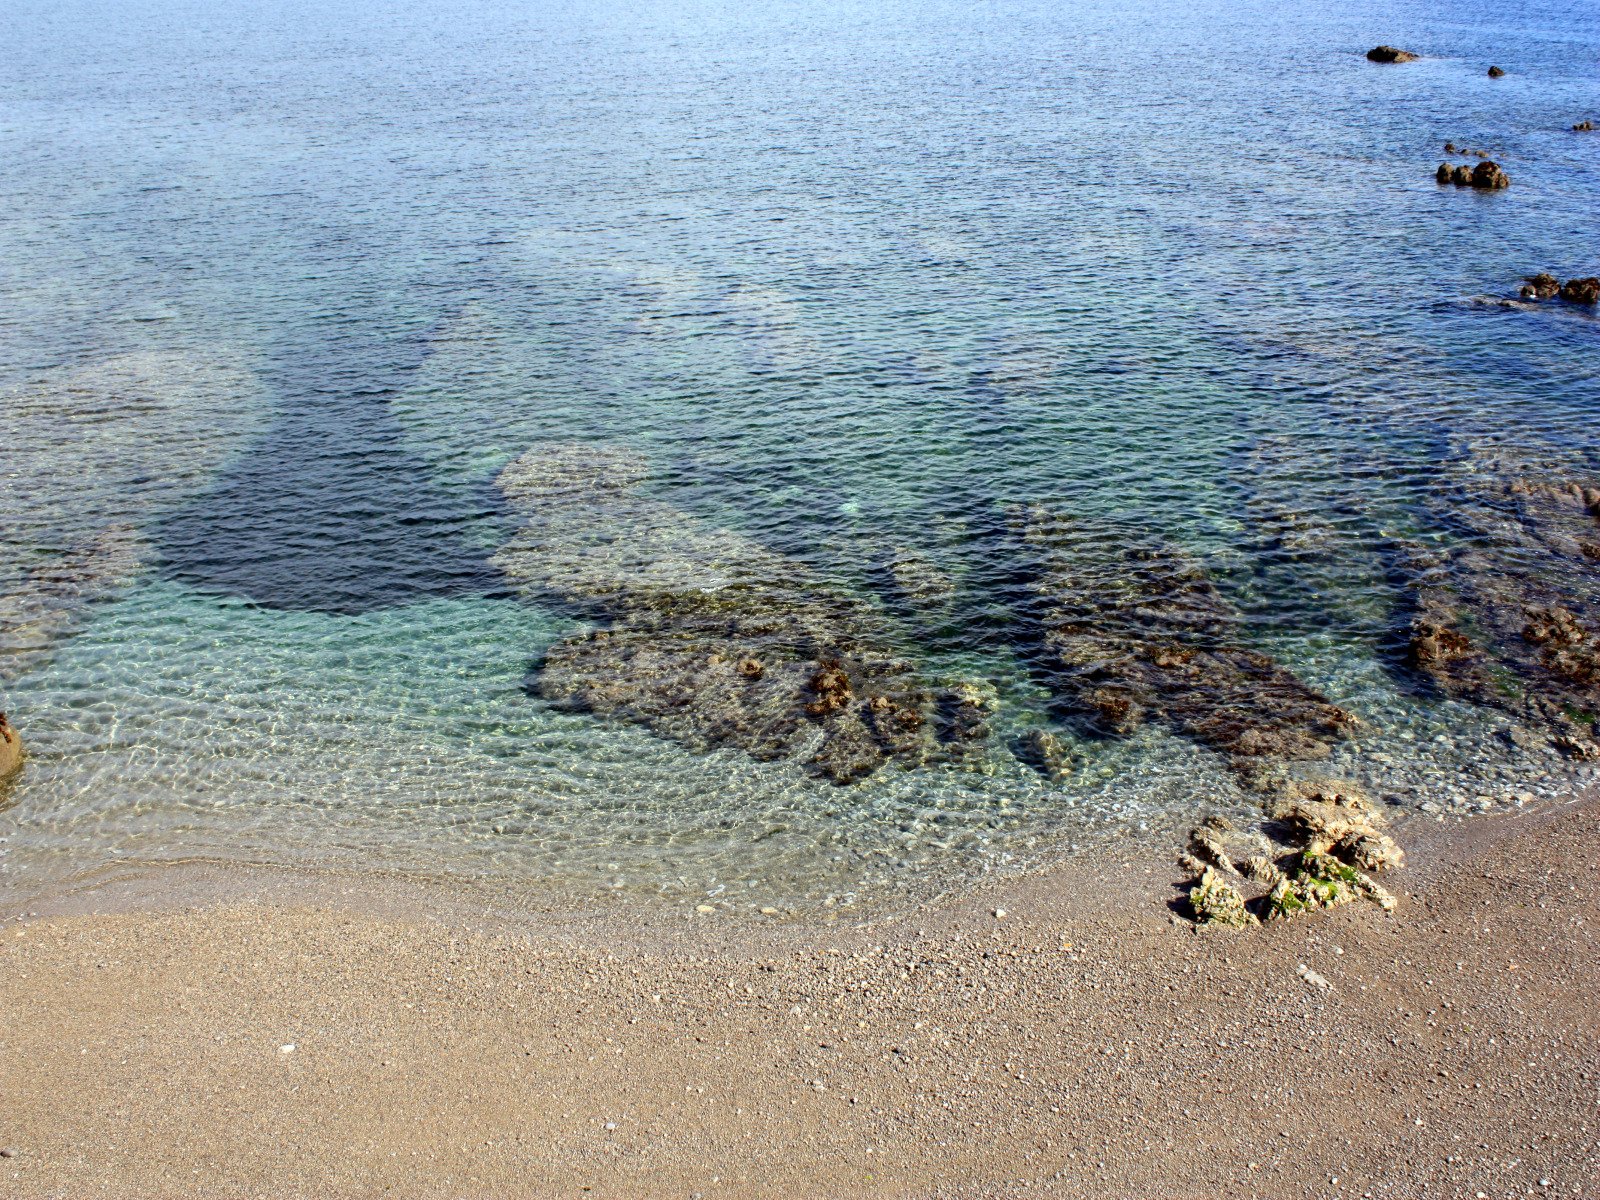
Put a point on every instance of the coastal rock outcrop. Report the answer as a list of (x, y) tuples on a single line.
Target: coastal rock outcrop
[(1131, 630), (709, 638), (1391, 54), (1329, 841), (10, 748), (1215, 901)]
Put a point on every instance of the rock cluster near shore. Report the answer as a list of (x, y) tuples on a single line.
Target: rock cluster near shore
[(711, 639), (1330, 840)]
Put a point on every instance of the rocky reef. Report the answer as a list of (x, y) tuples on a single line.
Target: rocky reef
[(1131, 630), (1391, 54), (709, 638), (48, 601), (1328, 842), (1509, 616)]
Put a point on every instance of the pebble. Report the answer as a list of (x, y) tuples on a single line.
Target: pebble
[(1312, 977), (999, 912)]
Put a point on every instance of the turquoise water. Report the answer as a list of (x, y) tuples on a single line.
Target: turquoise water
[(286, 287)]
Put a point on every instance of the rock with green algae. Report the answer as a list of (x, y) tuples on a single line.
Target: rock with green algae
[(1322, 881), (1215, 901)]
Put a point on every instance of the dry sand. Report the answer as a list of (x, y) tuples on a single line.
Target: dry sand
[(311, 1044)]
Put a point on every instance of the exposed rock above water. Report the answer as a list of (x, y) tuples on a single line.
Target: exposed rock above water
[(1496, 73), (1132, 630), (1583, 127), (1581, 291), (1329, 840), (708, 637), (1486, 176), (50, 598), (1391, 54), (1541, 287)]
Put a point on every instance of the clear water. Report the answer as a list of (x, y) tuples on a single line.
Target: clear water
[(286, 284)]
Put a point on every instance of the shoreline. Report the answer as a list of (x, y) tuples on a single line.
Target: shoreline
[(1081, 1044)]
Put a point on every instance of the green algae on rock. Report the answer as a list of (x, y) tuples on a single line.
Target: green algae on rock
[(710, 638), (1215, 901), (1329, 838)]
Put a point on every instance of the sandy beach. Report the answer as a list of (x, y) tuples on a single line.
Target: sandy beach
[(1084, 1043)]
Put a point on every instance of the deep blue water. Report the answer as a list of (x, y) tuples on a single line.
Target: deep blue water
[(285, 285)]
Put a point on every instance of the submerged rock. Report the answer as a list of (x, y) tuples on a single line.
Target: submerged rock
[(10, 748), (1131, 630), (710, 638), (50, 598), (1510, 617), (1045, 752), (1391, 54)]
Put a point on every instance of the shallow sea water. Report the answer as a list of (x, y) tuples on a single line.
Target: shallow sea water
[(285, 287)]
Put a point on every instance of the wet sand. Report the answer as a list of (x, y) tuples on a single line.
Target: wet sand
[(309, 1039)]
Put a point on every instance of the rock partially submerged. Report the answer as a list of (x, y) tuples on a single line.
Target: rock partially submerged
[(10, 748), (1132, 630), (1391, 54), (1581, 291), (1496, 73), (1510, 617), (50, 598), (709, 638), (1486, 176), (1583, 127), (1541, 287)]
